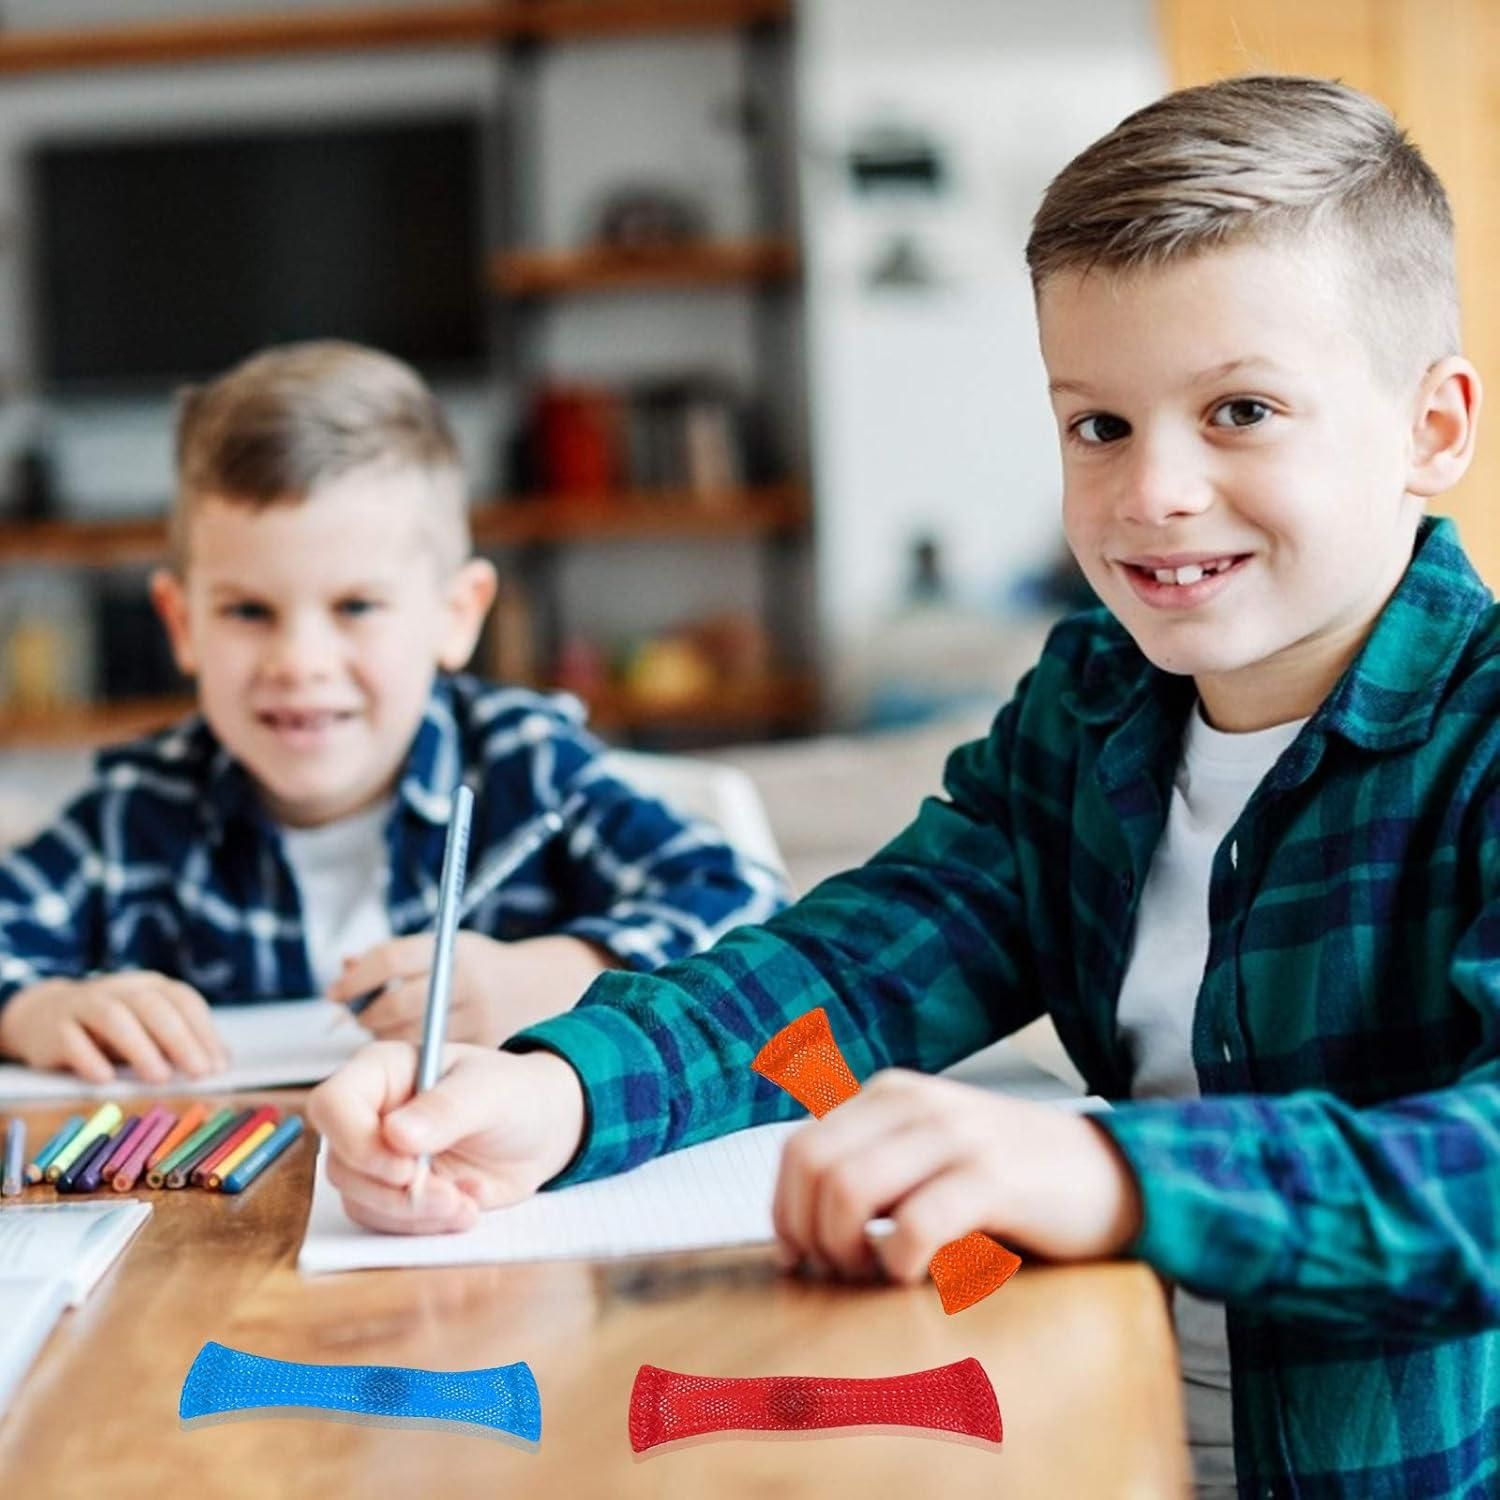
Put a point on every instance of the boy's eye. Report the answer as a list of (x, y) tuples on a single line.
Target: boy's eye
[(1097, 430), (245, 609), (355, 607), (1243, 411)]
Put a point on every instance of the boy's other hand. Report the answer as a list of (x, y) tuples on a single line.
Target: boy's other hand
[(941, 1159), (498, 988), (156, 1025), (496, 1126)]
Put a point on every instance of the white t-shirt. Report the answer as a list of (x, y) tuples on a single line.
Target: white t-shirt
[(1215, 777), (342, 870)]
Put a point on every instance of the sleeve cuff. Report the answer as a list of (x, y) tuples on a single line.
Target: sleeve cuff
[(1198, 1225), (625, 1088)]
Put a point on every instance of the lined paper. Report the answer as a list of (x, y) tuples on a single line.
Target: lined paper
[(707, 1196)]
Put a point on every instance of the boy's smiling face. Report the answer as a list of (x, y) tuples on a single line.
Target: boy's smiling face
[(314, 629), (1225, 412)]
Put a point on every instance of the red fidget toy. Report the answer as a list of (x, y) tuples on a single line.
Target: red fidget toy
[(666, 1406)]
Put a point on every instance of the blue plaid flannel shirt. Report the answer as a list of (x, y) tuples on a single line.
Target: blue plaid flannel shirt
[(167, 861)]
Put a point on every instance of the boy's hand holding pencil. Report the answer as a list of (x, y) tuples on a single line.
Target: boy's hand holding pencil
[(498, 988), (496, 1126)]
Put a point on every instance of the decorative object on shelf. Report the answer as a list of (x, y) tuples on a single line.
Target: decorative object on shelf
[(571, 442), (31, 495), (688, 434), (582, 668), (641, 219)]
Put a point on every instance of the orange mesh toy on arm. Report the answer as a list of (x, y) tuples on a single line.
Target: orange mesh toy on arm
[(804, 1059)]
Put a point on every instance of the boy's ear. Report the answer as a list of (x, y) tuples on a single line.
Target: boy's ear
[(1444, 424), (170, 602), (469, 594)]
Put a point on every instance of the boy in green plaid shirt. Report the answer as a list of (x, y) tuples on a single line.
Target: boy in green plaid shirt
[(1238, 833)]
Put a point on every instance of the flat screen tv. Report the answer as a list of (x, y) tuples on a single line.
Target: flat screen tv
[(172, 257)]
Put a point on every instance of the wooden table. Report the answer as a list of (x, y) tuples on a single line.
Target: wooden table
[(1082, 1360)]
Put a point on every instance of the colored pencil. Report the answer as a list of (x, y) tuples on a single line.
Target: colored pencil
[(191, 1119), (157, 1176), (126, 1143), (252, 1142), (13, 1174), (38, 1169), (263, 1155), (128, 1173), (121, 1140), (101, 1122), (71, 1180), (181, 1174), (232, 1140), (91, 1175)]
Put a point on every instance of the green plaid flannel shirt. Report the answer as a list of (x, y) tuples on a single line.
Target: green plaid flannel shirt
[(1338, 1184)]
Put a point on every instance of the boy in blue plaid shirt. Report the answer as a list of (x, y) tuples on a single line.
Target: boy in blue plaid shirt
[(1238, 833), (288, 839)]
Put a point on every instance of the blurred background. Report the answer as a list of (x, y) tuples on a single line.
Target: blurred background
[(726, 299)]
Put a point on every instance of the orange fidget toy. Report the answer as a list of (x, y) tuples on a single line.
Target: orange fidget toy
[(804, 1059)]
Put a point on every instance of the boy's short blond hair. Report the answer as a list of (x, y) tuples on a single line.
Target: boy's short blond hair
[(1268, 159), (290, 418)]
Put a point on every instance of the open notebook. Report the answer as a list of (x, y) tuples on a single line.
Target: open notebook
[(75, 1243), (714, 1194), (29, 1306), (270, 1045), (51, 1257)]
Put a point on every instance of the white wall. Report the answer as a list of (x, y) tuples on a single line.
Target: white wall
[(930, 410)]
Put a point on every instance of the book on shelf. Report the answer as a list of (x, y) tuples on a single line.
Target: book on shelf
[(689, 433)]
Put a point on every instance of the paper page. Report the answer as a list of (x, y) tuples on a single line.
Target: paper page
[(705, 1196), (29, 1306), (75, 1242), (270, 1045), (717, 1193)]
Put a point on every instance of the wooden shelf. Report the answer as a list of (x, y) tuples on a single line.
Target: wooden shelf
[(646, 515), (82, 724), (630, 515), (777, 700), (365, 28), (548, 273), (84, 544)]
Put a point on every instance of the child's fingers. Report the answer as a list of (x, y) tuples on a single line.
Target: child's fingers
[(113, 1021), (463, 1103), (398, 1014), (439, 1209), (400, 958), (946, 1207), (866, 1184), (198, 1018), (168, 1028), (79, 1053), (437, 1206), (378, 1169), (346, 1109), (853, 1129)]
